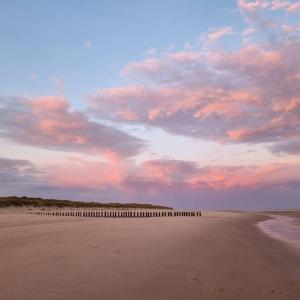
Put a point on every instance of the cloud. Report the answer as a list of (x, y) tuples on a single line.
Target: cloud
[(146, 69), (291, 28), (186, 184), (16, 166), (88, 45), (184, 57), (151, 51), (49, 122), (287, 147), (172, 182), (261, 14), (249, 94), (97, 174), (253, 5), (17, 176), (290, 6), (214, 36), (190, 174), (157, 176), (294, 7)]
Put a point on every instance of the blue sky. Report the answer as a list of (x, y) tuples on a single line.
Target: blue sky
[(85, 44)]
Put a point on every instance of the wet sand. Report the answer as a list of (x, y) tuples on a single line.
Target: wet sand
[(217, 256)]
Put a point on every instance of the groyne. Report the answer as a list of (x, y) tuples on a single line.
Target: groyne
[(117, 213)]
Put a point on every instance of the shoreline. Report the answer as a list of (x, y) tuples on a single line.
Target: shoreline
[(283, 227), (221, 255)]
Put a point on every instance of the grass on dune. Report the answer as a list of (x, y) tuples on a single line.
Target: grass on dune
[(14, 201)]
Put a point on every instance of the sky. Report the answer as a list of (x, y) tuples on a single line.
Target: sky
[(191, 104)]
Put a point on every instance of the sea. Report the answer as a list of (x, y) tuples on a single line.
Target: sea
[(284, 228)]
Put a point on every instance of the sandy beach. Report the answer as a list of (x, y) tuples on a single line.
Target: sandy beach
[(218, 256)]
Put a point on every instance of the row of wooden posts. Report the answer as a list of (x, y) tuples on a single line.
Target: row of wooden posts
[(119, 214)]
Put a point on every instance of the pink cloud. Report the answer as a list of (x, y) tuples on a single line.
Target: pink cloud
[(49, 122), (172, 172), (224, 109), (280, 4), (294, 7), (96, 173), (128, 115), (263, 15), (216, 35), (246, 95), (164, 173), (148, 68), (253, 5), (178, 183), (291, 28), (184, 57)]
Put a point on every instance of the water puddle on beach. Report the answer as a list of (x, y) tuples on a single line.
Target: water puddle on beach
[(284, 228)]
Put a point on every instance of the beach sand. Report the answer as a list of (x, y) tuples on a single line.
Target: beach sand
[(217, 256)]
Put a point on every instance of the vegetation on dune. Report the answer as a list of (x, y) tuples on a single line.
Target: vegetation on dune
[(40, 202)]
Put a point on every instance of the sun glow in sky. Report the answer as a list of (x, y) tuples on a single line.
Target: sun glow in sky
[(184, 103)]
